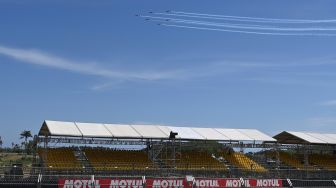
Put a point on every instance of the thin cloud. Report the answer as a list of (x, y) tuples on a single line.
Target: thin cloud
[(322, 121), (269, 71), (107, 85), (328, 103), (43, 59)]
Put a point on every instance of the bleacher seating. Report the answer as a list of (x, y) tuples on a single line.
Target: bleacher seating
[(106, 159), (109, 159), (292, 160), (242, 161), (197, 160), (327, 162), (59, 159)]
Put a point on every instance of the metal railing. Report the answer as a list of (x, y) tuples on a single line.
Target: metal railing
[(103, 181), (138, 169)]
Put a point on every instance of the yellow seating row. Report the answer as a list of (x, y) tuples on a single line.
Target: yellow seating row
[(326, 161), (292, 160), (194, 160), (242, 161), (59, 158), (108, 159)]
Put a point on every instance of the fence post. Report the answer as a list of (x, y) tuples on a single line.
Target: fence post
[(39, 181), (289, 182), (242, 182), (144, 181), (92, 181)]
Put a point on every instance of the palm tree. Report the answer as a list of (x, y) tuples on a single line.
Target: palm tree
[(25, 134)]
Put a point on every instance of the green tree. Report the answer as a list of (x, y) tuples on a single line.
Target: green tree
[(25, 134)]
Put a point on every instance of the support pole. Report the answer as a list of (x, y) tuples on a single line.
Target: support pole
[(305, 156), (39, 181), (277, 155)]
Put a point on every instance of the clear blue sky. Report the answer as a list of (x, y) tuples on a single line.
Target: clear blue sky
[(94, 61)]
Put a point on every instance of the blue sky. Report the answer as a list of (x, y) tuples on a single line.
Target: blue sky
[(94, 61)]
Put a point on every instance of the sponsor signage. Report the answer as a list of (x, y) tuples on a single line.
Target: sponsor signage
[(167, 183)]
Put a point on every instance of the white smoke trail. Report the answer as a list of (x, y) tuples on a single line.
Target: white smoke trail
[(169, 18), (252, 27), (249, 19), (241, 26), (249, 32), (257, 18)]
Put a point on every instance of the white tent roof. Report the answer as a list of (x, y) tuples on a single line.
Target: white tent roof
[(256, 135), (76, 129), (186, 133), (166, 130), (234, 134), (210, 134), (305, 137), (332, 138), (93, 129), (60, 128), (122, 131), (149, 131), (324, 138)]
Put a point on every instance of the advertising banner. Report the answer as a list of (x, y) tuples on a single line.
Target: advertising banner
[(167, 183)]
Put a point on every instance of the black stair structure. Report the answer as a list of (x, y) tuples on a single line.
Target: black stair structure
[(81, 157)]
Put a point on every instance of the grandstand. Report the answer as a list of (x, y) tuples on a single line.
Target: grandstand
[(243, 162), (166, 151), (107, 159), (195, 160), (326, 161), (59, 158), (157, 149)]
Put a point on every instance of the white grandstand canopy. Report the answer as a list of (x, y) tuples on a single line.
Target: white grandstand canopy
[(210, 134), (123, 131), (186, 133), (93, 130), (149, 131), (294, 137), (60, 128), (234, 134)]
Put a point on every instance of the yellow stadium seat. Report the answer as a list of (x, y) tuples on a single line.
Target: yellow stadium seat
[(59, 159), (108, 159), (243, 162), (197, 160), (328, 162)]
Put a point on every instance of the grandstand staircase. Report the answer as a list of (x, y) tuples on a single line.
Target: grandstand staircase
[(265, 162), (81, 157), (222, 161), (160, 164), (162, 154), (154, 155), (225, 163)]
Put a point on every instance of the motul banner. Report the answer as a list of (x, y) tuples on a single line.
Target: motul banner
[(167, 183), (225, 182)]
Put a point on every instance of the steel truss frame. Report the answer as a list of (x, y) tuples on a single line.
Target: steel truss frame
[(184, 143), (160, 150)]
